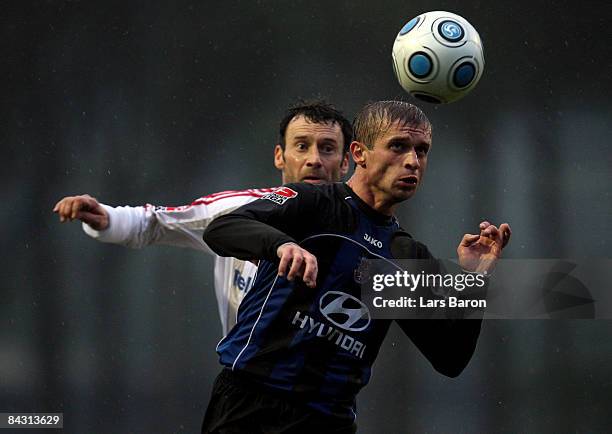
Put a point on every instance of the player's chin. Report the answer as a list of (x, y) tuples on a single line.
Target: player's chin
[(404, 192)]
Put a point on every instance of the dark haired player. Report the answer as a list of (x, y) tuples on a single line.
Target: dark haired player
[(299, 354), (312, 147)]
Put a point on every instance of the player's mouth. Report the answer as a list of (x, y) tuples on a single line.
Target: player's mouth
[(313, 179), (409, 181)]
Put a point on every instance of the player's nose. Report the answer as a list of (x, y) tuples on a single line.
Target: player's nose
[(412, 160), (314, 157)]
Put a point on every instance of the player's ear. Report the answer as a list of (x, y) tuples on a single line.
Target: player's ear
[(279, 158), (344, 166), (358, 151)]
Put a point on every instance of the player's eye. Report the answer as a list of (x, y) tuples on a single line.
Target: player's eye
[(396, 146), (422, 150), (328, 149), (301, 146)]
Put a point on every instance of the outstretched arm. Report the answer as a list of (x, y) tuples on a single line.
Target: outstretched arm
[(141, 226), (448, 344)]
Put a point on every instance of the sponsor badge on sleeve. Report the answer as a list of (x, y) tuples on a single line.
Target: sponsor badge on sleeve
[(280, 195)]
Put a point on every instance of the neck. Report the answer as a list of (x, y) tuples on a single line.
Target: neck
[(373, 197)]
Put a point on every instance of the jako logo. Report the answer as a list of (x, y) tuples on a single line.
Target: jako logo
[(345, 311), (370, 239)]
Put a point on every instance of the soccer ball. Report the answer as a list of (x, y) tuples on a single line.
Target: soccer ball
[(438, 57)]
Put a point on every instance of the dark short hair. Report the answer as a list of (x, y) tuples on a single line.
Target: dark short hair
[(376, 118), (317, 111)]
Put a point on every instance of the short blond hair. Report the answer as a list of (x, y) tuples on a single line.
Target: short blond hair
[(375, 119)]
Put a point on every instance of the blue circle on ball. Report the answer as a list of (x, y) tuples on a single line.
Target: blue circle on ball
[(409, 25), (451, 30), (420, 65), (464, 75)]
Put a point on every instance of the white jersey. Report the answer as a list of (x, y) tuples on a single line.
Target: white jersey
[(184, 226)]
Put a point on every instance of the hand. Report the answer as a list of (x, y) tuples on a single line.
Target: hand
[(480, 252), (303, 263), (84, 208)]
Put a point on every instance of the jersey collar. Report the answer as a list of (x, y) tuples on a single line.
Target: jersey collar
[(370, 212)]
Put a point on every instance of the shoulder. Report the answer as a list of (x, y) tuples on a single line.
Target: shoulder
[(326, 189), (316, 192), (326, 203), (229, 196), (225, 201)]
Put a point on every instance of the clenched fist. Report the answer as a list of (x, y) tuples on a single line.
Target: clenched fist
[(297, 262), (84, 208)]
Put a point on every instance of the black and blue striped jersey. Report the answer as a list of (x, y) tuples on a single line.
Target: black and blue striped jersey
[(319, 343)]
